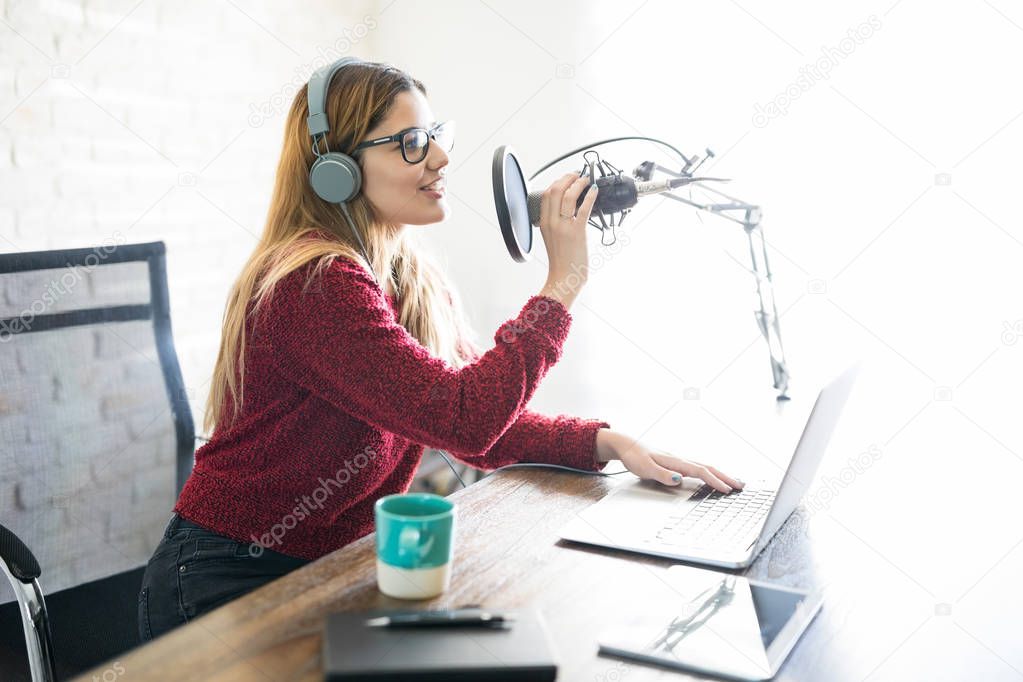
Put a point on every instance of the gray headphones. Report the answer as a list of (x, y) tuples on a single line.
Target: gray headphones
[(334, 176)]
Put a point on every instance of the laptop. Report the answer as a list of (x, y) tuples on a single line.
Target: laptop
[(695, 523)]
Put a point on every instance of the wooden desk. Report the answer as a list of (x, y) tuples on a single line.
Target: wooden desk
[(508, 555)]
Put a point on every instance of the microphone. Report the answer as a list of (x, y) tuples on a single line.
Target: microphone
[(617, 193), (518, 209)]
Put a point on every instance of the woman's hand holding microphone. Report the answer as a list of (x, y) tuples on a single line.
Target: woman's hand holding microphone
[(564, 235)]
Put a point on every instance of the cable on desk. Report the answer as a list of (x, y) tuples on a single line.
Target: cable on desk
[(528, 464), (445, 456)]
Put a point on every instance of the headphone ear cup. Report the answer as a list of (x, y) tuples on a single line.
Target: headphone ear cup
[(335, 177)]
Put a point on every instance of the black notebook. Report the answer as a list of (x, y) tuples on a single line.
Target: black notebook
[(355, 651)]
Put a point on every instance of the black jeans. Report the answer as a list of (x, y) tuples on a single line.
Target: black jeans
[(195, 570)]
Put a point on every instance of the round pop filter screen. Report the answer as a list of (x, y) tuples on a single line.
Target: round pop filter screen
[(512, 205)]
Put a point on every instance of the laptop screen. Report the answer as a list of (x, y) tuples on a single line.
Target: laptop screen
[(809, 451)]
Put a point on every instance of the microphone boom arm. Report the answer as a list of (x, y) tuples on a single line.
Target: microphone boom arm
[(767, 313)]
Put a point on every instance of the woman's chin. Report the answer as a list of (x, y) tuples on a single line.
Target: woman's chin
[(436, 214)]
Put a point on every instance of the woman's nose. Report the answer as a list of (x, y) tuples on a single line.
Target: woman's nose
[(437, 158)]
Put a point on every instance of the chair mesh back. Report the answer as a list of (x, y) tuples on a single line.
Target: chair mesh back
[(96, 431)]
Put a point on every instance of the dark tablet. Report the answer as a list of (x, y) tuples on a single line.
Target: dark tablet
[(716, 624)]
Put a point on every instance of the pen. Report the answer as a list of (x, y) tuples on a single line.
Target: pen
[(473, 617)]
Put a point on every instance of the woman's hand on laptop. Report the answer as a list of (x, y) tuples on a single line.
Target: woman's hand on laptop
[(658, 465)]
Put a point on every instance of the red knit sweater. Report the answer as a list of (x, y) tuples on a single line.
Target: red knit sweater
[(340, 400)]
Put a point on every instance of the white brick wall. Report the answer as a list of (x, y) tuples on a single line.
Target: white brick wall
[(116, 135), (126, 122)]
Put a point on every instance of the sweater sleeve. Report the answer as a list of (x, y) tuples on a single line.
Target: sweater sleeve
[(534, 437), (337, 337)]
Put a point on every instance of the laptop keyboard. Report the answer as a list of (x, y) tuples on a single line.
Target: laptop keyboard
[(719, 520)]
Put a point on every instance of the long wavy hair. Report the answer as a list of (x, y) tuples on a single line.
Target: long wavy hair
[(301, 228)]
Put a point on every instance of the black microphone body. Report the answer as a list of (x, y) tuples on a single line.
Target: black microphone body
[(617, 193)]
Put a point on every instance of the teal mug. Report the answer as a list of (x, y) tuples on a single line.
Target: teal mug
[(415, 538)]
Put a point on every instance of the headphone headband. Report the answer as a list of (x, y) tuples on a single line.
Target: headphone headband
[(335, 177), (317, 95)]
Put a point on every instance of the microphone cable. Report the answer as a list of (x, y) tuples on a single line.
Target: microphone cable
[(519, 465), (564, 156)]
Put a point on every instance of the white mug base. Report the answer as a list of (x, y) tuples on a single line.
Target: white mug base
[(412, 583)]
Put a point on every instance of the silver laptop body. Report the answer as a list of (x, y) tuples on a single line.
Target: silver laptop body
[(694, 523)]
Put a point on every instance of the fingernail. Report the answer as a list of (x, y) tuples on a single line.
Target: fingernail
[(676, 478)]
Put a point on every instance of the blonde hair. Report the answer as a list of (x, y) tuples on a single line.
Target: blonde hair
[(302, 228)]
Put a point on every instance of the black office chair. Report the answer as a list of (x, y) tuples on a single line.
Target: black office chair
[(97, 441), (22, 570)]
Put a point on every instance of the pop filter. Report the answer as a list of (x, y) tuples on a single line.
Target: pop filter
[(510, 198)]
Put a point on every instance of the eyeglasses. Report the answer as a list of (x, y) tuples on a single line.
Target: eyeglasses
[(415, 142)]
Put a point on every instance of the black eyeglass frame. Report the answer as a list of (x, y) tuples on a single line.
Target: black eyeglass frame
[(398, 136)]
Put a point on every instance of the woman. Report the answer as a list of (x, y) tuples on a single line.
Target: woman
[(344, 353)]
